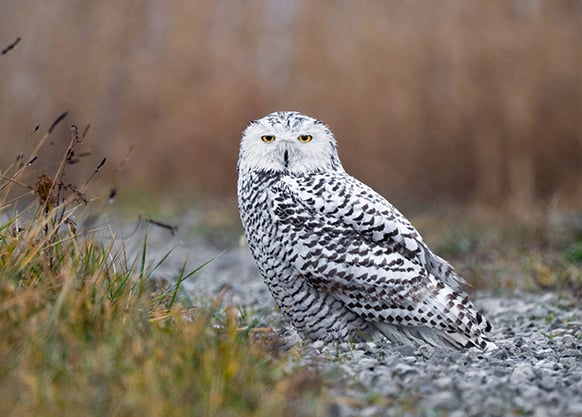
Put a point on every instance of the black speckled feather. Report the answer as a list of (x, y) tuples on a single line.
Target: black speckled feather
[(341, 262)]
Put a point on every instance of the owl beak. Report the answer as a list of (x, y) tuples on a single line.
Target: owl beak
[(285, 150)]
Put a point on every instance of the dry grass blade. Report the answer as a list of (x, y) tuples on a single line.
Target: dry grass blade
[(82, 331), (6, 188), (11, 46)]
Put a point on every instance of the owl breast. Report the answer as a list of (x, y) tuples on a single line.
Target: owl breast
[(340, 261), (316, 315)]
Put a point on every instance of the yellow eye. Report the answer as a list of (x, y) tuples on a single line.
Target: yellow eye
[(305, 138), (268, 138)]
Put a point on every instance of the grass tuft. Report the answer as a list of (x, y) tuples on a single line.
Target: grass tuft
[(84, 332)]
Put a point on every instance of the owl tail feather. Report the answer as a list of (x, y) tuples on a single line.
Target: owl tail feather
[(408, 335)]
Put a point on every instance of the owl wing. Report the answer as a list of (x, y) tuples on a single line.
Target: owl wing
[(348, 243), (349, 201)]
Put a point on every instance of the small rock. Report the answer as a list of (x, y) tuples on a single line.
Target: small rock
[(524, 404), (529, 392), (522, 373), (446, 400), (443, 383), (403, 370), (575, 407), (318, 344), (368, 363), (370, 412), (570, 353), (546, 383), (338, 410)]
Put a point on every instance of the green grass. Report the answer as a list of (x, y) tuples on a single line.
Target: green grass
[(497, 250), (85, 332), (80, 334)]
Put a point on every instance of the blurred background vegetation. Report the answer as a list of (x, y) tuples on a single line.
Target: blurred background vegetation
[(451, 101), (442, 106)]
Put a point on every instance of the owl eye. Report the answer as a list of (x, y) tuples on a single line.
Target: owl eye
[(268, 138), (305, 138)]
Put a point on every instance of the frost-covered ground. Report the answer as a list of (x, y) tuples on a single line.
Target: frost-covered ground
[(537, 369)]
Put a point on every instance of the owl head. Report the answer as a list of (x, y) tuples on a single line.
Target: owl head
[(289, 142)]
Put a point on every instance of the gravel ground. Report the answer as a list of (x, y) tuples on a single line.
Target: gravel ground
[(536, 371)]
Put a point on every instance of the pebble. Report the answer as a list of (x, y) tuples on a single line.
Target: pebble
[(537, 369), (529, 374), (522, 373)]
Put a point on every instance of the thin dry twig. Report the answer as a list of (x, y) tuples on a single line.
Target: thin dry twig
[(11, 46)]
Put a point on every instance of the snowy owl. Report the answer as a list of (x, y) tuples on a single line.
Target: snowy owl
[(340, 261)]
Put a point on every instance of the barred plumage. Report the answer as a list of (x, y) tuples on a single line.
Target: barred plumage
[(340, 261)]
